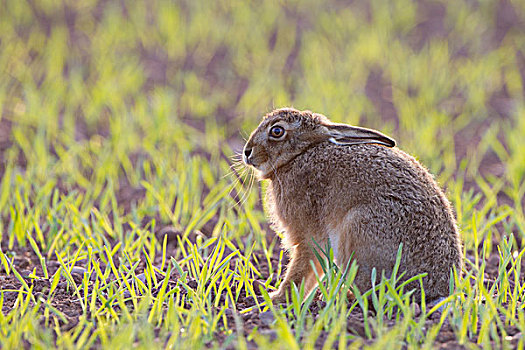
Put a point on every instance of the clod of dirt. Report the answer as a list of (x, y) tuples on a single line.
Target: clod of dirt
[(266, 318)]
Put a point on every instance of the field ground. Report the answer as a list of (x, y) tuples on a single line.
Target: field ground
[(125, 222)]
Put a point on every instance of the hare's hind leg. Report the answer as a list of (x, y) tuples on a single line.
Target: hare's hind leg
[(299, 269)]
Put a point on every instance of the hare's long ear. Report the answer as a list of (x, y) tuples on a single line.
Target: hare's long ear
[(342, 134)]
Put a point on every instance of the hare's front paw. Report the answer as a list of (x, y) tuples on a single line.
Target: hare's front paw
[(279, 296)]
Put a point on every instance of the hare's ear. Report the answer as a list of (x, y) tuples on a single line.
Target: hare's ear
[(342, 134)]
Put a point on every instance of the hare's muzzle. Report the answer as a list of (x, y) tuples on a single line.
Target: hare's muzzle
[(246, 155)]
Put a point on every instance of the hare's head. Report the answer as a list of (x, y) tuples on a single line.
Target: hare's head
[(285, 133)]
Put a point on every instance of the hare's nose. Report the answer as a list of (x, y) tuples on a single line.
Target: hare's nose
[(247, 152)]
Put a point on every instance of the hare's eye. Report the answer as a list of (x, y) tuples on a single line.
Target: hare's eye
[(277, 132)]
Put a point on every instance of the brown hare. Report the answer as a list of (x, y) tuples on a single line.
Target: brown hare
[(353, 187)]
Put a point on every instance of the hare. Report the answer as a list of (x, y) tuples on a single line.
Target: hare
[(352, 187)]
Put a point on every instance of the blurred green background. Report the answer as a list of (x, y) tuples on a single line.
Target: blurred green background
[(98, 94)]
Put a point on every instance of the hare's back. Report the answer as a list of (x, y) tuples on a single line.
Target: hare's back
[(390, 186), (373, 167)]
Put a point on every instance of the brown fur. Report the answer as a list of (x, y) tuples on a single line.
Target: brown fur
[(334, 179)]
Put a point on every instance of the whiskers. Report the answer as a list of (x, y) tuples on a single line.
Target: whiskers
[(244, 136), (243, 175)]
